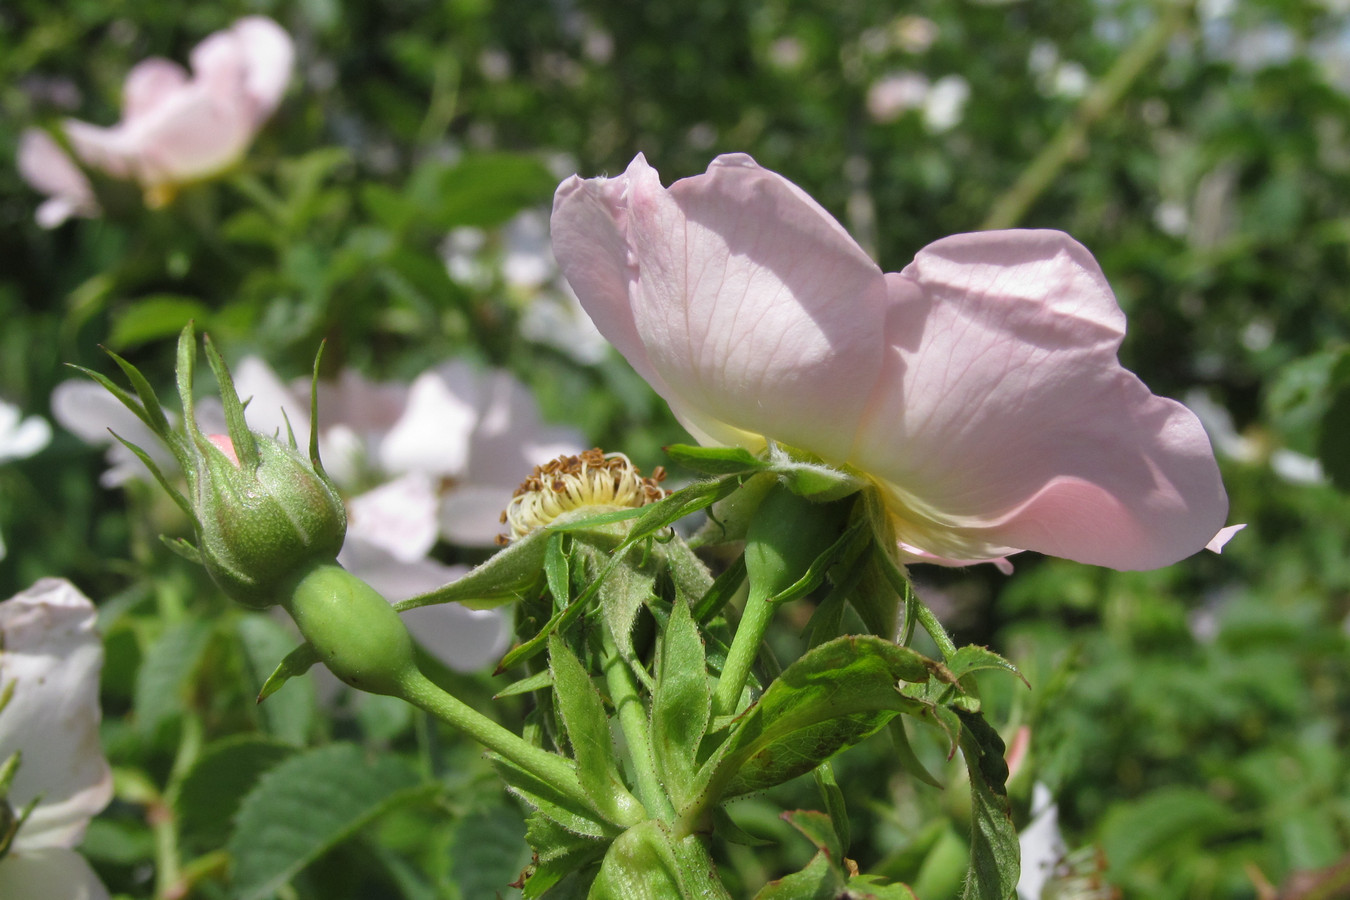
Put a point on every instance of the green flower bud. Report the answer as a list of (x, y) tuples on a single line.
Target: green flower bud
[(264, 513), (258, 525), (354, 631)]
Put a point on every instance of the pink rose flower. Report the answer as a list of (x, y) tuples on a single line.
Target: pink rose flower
[(978, 390), (176, 128), (51, 658)]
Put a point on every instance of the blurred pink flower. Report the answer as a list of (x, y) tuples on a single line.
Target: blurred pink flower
[(176, 128), (979, 389), (43, 164), (51, 658)]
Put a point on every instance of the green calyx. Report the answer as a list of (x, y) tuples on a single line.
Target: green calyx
[(262, 511)]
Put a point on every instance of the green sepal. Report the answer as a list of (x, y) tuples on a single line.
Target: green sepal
[(726, 828), (648, 862), (828, 700), (551, 803), (506, 577), (715, 460), (245, 445), (539, 681), (158, 475), (183, 548), (583, 715), (680, 705), (832, 796), (995, 858), (297, 662)]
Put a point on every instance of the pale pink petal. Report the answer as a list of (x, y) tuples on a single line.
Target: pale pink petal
[(47, 167), (1003, 420), (1225, 535), (149, 83), (90, 413), (911, 554), (470, 516), (49, 873), (399, 516), (52, 656), (509, 439), (270, 402), (757, 311), (269, 55), (432, 435)]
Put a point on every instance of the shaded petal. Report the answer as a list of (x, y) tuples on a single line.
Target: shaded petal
[(149, 83), (268, 54), (89, 412), (1003, 420), (45, 165), (470, 515), (20, 437), (50, 873), (750, 305), (53, 657)]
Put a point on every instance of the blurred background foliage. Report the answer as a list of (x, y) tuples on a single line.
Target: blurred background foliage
[(1192, 723)]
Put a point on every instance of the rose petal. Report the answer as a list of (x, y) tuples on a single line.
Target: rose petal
[(1003, 420), (399, 516), (46, 166), (48, 874), (149, 83), (432, 435), (745, 294), (53, 656)]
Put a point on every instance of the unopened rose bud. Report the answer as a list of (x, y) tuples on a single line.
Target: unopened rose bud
[(259, 524)]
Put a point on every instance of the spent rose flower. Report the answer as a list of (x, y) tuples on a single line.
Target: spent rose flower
[(50, 659), (978, 390), (176, 128)]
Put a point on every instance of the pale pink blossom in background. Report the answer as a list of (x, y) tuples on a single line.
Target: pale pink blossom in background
[(51, 658), (979, 390), (176, 128), (48, 168)]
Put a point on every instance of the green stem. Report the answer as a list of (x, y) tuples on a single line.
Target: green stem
[(168, 865), (633, 722), (744, 648), (556, 770), (1069, 140)]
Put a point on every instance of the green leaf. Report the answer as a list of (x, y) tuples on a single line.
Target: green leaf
[(224, 773), (647, 862), (681, 705), (486, 189), (289, 716), (153, 318), (995, 859), (583, 715), (487, 851), (557, 569), (1333, 440), (297, 662), (819, 880), (165, 677), (505, 578), (539, 681), (715, 460), (833, 797), (1131, 833), (973, 658), (307, 805), (831, 698)]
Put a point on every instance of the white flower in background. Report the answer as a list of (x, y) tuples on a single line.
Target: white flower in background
[(20, 438), (894, 94), (1292, 466), (946, 103), (50, 660), (90, 413), (1041, 844)]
